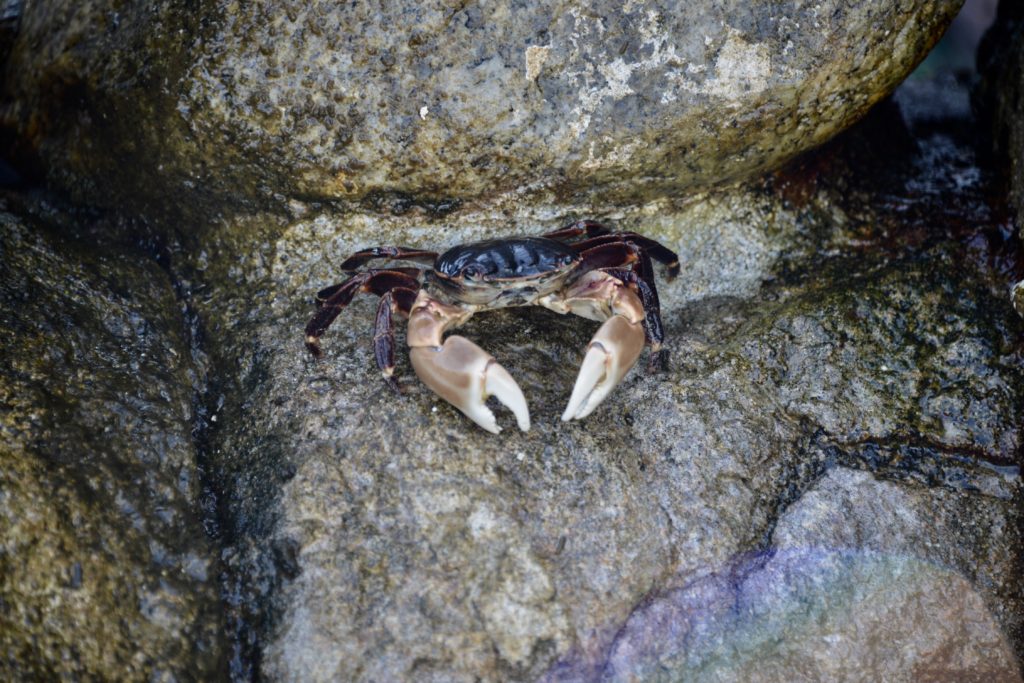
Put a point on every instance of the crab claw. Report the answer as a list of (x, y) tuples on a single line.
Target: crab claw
[(465, 375), (611, 353)]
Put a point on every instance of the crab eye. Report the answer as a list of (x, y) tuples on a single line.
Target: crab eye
[(472, 271)]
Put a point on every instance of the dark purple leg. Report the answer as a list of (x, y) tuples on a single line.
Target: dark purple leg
[(404, 299), (656, 250), (327, 292), (377, 281), (600, 234), (610, 255), (397, 300), (403, 253), (652, 304), (573, 230)]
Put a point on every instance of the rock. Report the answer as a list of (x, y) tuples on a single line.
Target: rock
[(824, 481), (169, 111), (838, 354), (1000, 99), (106, 572), (851, 589), (1000, 93)]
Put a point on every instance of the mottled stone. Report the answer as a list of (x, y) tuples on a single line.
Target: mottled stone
[(106, 572), (824, 481), (857, 585), (828, 371), (162, 105)]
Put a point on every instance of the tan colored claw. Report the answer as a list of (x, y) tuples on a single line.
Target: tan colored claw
[(616, 346), (458, 370), (611, 353), (465, 375)]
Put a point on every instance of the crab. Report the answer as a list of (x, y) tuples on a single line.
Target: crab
[(584, 268)]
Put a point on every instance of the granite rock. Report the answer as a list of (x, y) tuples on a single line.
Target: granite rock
[(850, 589), (823, 482)]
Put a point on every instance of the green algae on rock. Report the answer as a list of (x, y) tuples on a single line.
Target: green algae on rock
[(105, 569)]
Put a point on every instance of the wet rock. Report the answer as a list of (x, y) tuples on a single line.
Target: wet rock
[(1000, 99), (159, 105), (1000, 95), (105, 569), (826, 376)]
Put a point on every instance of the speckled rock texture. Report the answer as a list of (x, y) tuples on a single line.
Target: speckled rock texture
[(150, 106), (838, 597), (1000, 99), (824, 483), (105, 569)]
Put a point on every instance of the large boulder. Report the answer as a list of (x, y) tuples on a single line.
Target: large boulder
[(159, 105), (833, 445), (838, 597), (106, 569)]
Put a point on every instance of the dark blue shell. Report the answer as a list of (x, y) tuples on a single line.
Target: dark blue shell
[(505, 258)]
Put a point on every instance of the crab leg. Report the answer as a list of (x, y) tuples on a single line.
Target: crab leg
[(657, 251), (458, 370), (397, 300), (332, 300), (395, 253), (616, 346), (598, 234)]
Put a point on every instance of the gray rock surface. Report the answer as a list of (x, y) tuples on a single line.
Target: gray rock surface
[(838, 355), (105, 569), (162, 105), (851, 590), (824, 482)]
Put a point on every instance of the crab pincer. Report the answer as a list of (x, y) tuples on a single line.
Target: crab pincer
[(615, 347), (612, 352), (458, 370)]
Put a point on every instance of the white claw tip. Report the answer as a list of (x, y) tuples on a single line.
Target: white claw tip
[(589, 389), (483, 416), (500, 384)]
